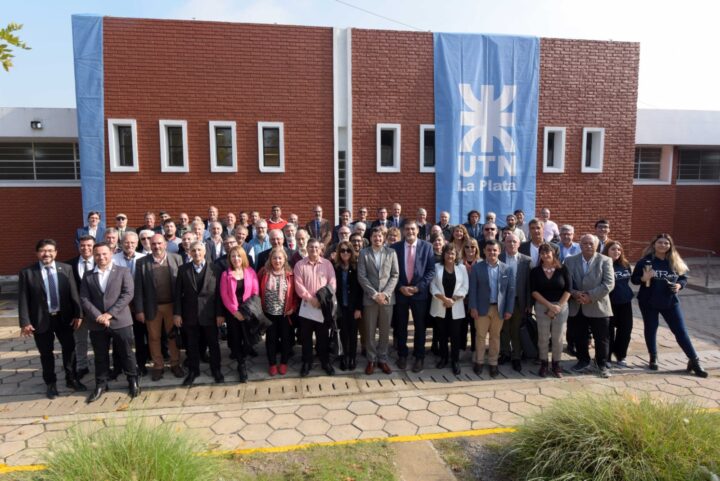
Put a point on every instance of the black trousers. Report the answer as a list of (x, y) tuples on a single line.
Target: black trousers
[(621, 325), (45, 343), (142, 351), (194, 335), (237, 337), (348, 331), (600, 327), (450, 329), (122, 342), (309, 327), (279, 334), (401, 318)]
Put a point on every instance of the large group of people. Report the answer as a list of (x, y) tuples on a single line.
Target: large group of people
[(151, 292)]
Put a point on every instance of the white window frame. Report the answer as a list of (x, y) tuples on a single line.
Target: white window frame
[(114, 146), (261, 150), (666, 166), (559, 157), (598, 148), (424, 128), (396, 148), (214, 167), (164, 154)]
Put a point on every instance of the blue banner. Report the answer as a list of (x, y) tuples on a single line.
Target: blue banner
[(486, 103)]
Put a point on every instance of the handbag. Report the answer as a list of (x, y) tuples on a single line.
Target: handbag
[(529, 337)]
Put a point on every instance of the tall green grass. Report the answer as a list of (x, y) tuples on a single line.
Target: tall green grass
[(134, 452), (616, 439)]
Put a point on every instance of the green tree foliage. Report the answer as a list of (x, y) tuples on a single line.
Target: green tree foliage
[(8, 40)]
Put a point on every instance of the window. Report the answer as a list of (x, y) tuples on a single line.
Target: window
[(592, 150), (39, 163), (388, 148), (122, 139), (648, 163), (554, 152), (271, 147), (223, 147), (699, 164), (427, 148), (173, 146)]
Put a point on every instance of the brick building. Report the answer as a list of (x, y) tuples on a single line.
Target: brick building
[(242, 116)]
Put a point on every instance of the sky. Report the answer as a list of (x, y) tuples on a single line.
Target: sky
[(678, 40)]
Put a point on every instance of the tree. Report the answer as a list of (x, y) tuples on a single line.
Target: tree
[(7, 39)]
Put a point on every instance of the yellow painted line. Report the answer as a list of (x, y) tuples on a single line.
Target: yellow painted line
[(4, 468), (393, 439)]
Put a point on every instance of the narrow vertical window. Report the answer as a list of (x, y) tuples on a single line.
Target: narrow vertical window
[(271, 147), (427, 148), (592, 149), (554, 152), (388, 148), (223, 147), (122, 145), (173, 146)]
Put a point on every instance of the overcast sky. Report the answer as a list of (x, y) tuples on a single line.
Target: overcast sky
[(679, 41)]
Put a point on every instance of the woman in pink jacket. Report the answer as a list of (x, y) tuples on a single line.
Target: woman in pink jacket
[(237, 284)]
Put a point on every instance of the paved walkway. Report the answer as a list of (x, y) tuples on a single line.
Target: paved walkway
[(289, 410)]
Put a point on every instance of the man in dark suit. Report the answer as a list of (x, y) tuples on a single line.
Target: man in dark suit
[(121, 221), (378, 274), (214, 245), (319, 228), (81, 264), (396, 220), (530, 247), (155, 279), (491, 302), (106, 294), (416, 264), (197, 309), (382, 219), (277, 239), (519, 264), (92, 228), (49, 307)]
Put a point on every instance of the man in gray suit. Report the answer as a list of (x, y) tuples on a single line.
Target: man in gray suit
[(591, 280), (155, 279), (378, 275), (519, 264), (491, 302), (105, 295)]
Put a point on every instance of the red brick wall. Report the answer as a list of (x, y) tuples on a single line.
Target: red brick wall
[(30, 214), (202, 71), (589, 84), (582, 84), (392, 82)]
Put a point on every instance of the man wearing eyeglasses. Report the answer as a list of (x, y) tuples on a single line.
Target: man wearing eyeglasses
[(319, 228), (121, 221), (489, 232)]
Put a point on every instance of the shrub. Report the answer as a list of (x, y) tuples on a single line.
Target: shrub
[(134, 452), (615, 438)]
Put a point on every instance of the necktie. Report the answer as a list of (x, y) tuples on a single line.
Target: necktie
[(54, 303), (410, 263), (317, 229), (86, 267)]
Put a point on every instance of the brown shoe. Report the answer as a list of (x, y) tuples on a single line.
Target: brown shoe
[(156, 375), (370, 368), (385, 367), (477, 368), (177, 371)]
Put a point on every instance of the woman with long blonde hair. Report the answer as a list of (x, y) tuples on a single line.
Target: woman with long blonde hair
[(661, 275)]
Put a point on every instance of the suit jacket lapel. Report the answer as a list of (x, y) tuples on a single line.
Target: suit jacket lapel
[(206, 278), (39, 280)]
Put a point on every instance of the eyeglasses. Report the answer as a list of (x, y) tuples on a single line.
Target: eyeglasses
[(345, 251), (489, 228), (144, 238)]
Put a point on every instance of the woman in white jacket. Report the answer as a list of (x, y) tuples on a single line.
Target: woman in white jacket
[(448, 288)]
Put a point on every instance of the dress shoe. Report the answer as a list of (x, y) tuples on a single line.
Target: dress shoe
[(190, 379), (156, 375), (477, 368), (329, 369), (653, 364), (694, 366), (352, 363), (81, 373), (133, 387), (75, 385), (455, 368), (543, 372), (96, 394), (177, 371), (556, 369), (343, 363), (494, 371), (517, 365), (503, 359), (305, 369), (282, 369), (385, 367), (441, 363), (418, 365), (219, 378), (242, 372), (370, 368), (581, 366), (402, 363), (52, 391)]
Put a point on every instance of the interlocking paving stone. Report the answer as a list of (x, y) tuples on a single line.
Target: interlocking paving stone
[(201, 420), (400, 428), (363, 407), (413, 403), (343, 433), (339, 416), (313, 427), (228, 425), (455, 423), (392, 413), (255, 432), (254, 416), (443, 408), (461, 400), (474, 413), (369, 422), (284, 421), (311, 412)]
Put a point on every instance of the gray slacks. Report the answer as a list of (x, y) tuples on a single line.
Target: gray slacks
[(377, 317)]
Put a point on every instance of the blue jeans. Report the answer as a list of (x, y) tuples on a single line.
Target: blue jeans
[(674, 318)]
